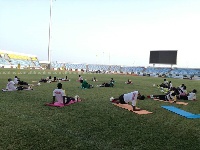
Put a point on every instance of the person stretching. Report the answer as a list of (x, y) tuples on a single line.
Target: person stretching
[(129, 97)]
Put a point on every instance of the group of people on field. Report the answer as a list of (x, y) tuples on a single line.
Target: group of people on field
[(54, 79), (171, 93), (17, 84), (174, 93)]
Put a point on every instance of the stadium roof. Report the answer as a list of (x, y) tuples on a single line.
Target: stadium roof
[(11, 52)]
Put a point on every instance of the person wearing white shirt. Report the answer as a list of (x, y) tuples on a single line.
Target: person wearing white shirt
[(190, 95), (181, 86), (11, 85), (170, 85), (170, 96), (166, 82), (60, 96), (21, 86), (129, 97), (16, 80)]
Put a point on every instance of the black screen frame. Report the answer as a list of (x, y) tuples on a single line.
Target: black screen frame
[(163, 57)]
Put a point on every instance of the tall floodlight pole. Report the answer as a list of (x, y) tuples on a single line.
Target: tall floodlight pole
[(49, 45)]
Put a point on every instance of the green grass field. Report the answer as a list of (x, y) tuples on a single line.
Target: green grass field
[(93, 123)]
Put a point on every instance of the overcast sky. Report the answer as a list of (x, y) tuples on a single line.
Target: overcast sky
[(119, 32)]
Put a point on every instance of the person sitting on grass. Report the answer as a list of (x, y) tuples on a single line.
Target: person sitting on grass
[(94, 79), (11, 86), (129, 97), (86, 85), (170, 85), (189, 96), (80, 78), (54, 79), (129, 82), (16, 80), (60, 96), (183, 91), (181, 86), (112, 81), (165, 84)]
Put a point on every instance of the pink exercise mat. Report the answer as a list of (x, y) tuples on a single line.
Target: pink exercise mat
[(57, 104)]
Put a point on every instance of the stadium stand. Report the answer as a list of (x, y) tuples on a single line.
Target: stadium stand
[(153, 71), (3, 62), (96, 67), (12, 59), (115, 68), (135, 70), (185, 71), (35, 62), (76, 67), (56, 65)]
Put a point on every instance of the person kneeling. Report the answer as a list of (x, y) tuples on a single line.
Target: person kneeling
[(129, 97), (86, 85)]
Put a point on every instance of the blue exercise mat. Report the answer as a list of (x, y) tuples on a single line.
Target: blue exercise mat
[(181, 112)]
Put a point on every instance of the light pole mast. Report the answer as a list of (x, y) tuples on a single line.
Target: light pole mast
[(49, 45)]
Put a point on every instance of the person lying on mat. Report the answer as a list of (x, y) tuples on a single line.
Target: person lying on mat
[(24, 85), (167, 97), (170, 96), (45, 80), (60, 96), (129, 97), (64, 79)]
